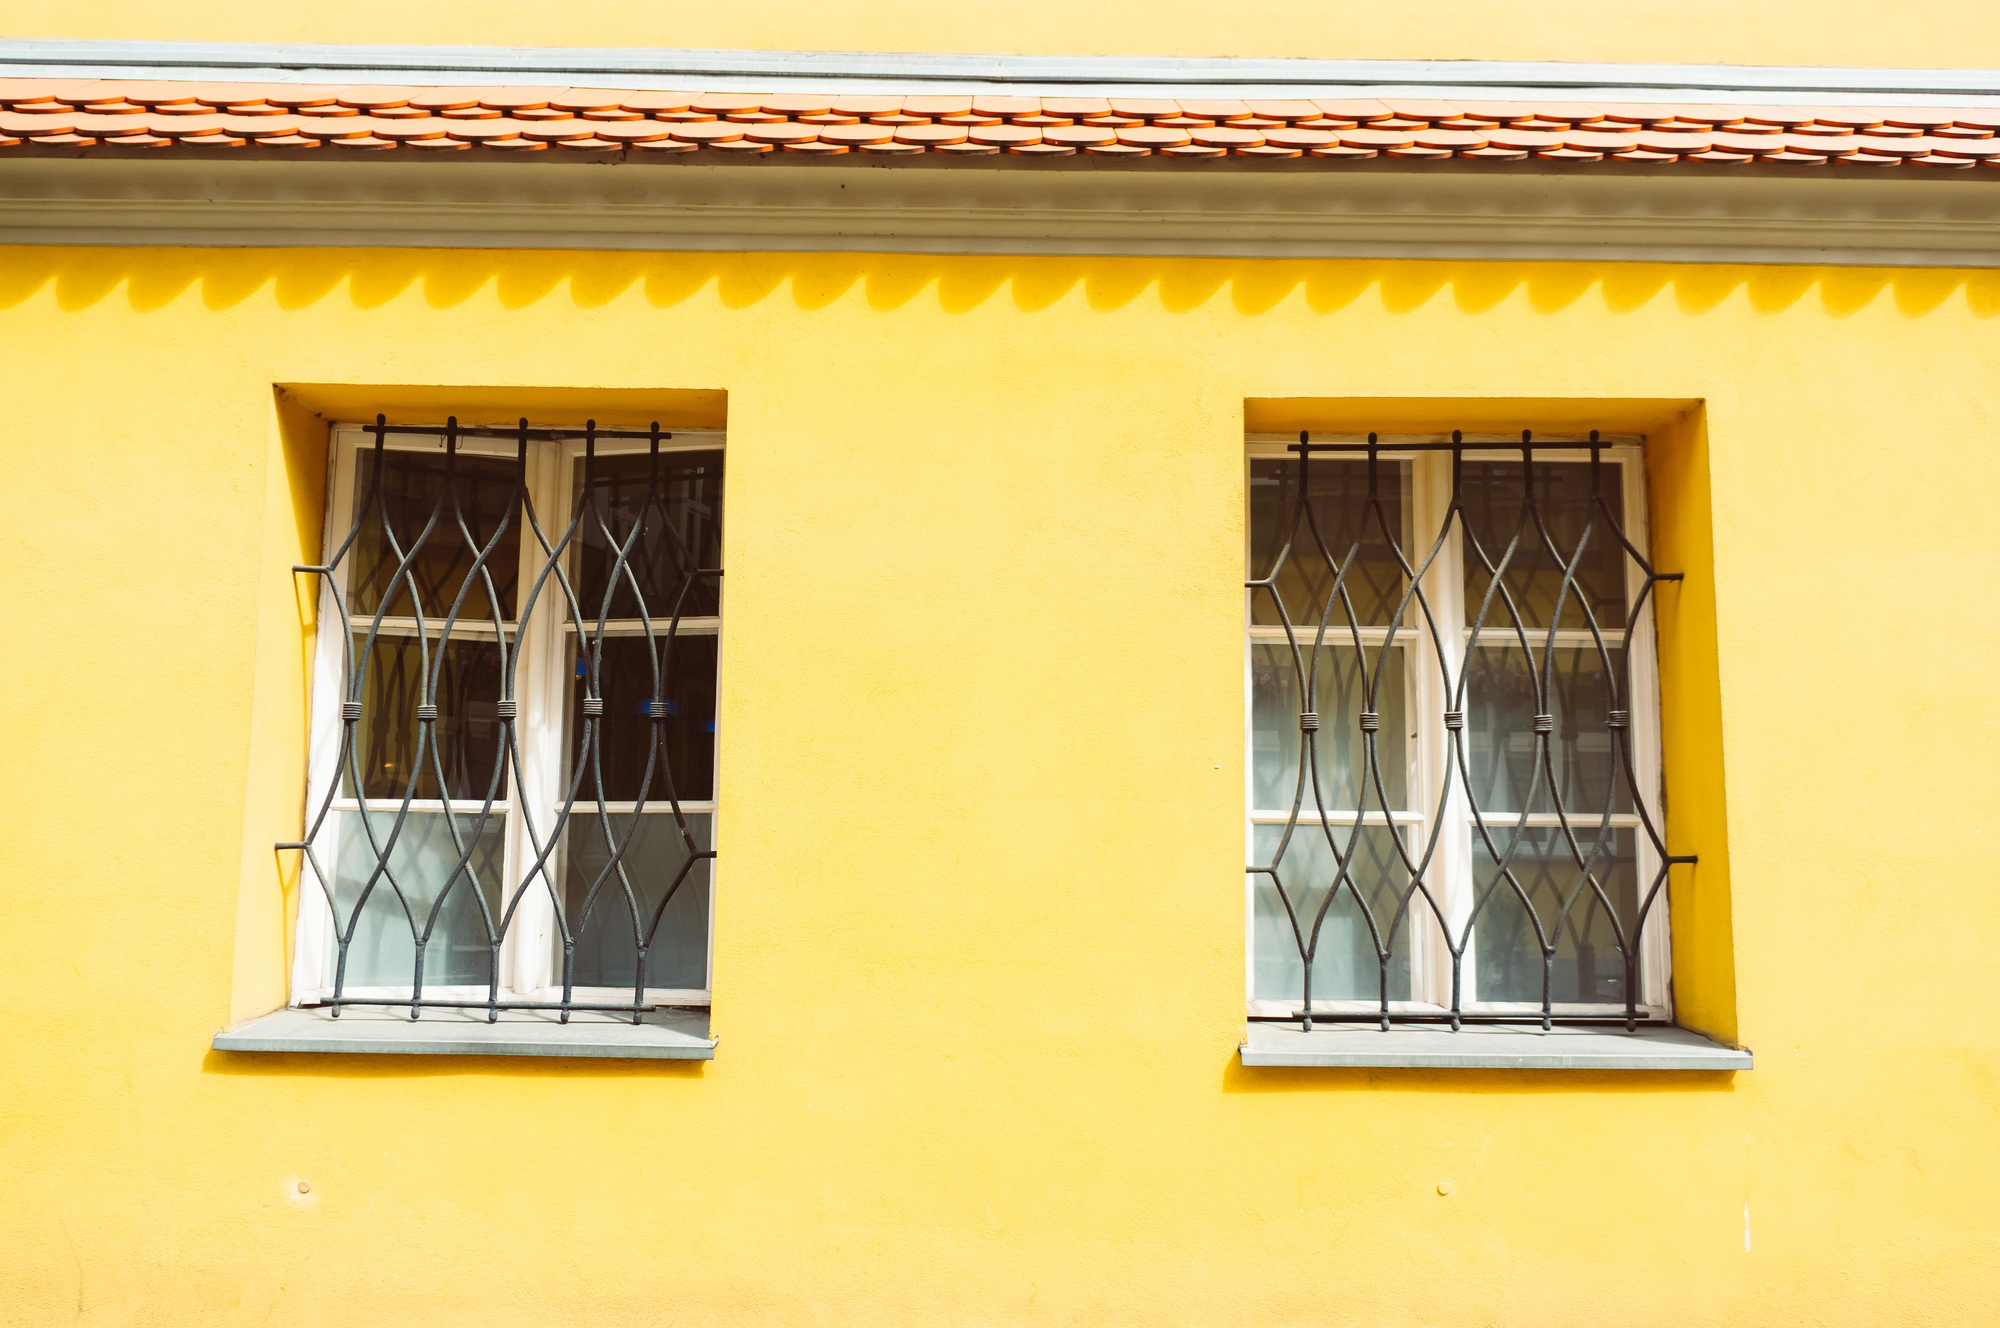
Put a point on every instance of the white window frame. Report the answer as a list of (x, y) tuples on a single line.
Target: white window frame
[(530, 956), (1443, 585)]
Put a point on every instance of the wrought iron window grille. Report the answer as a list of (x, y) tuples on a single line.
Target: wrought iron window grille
[(648, 568), (1562, 855)]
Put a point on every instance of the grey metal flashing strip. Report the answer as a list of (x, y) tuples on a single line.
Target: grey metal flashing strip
[(1489, 1047), (872, 71), (665, 1035), (1677, 214)]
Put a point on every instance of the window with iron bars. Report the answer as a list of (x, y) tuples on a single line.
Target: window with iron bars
[(1453, 724), (511, 792)]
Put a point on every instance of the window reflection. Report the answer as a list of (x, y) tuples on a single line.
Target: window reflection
[(1338, 498), (407, 498), (1504, 771), (1495, 494), (1344, 780), (1347, 965), (678, 499), (468, 738), (1588, 966)]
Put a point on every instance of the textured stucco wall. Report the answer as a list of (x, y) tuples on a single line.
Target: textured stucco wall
[(979, 930)]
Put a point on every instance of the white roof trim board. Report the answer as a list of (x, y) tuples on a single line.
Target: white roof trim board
[(778, 71)]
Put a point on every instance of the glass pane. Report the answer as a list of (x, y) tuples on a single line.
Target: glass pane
[(1500, 740), (1588, 965), (468, 749), (423, 862), (1338, 499), (1345, 965), (412, 492), (678, 504), (1341, 696), (1494, 494), (625, 681), (606, 954)]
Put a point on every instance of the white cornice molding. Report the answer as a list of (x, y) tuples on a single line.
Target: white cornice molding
[(1075, 75), (1676, 215)]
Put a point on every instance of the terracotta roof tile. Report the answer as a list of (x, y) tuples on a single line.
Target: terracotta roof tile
[(1421, 110), (786, 132), (635, 131), (1215, 110), (1076, 136), (483, 131), (1075, 106), (930, 134), (1007, 106), (590, 99), (1005, 135), (28, 91), (447, 99), (1227, 136), (44, 114), (652, 103), (1285, 110), (867, 105), (1154, 136), (857, 134), (517, 99), (1144, 108), (935, 106)]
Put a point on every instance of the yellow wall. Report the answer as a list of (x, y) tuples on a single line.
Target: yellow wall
[(979, 963), (1919, 33)]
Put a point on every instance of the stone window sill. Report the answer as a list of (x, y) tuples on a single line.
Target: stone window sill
[(664, 1035), (1489, 1047)]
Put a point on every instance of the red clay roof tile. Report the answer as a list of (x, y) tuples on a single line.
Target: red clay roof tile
[(654, 102), (115, 113), (1227, 136), (857, 134), (1078, 135), (867, 105), (1215, 110), (1005, 135), (1075, 106), (931, 134), (786, 132), (1007, 106), (589, 99), (1144, 108), (1285, 110)]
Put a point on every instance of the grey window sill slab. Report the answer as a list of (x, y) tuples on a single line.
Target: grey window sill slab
[(1489, 1047), (664, 1034)]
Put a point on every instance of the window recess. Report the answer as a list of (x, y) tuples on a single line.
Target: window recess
[(1452, 717), (511, 792)]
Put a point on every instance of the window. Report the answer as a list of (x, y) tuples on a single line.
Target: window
[(1452, 719), (511, 793)]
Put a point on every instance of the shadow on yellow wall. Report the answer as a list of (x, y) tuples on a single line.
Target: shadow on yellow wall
[(369, 278)]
